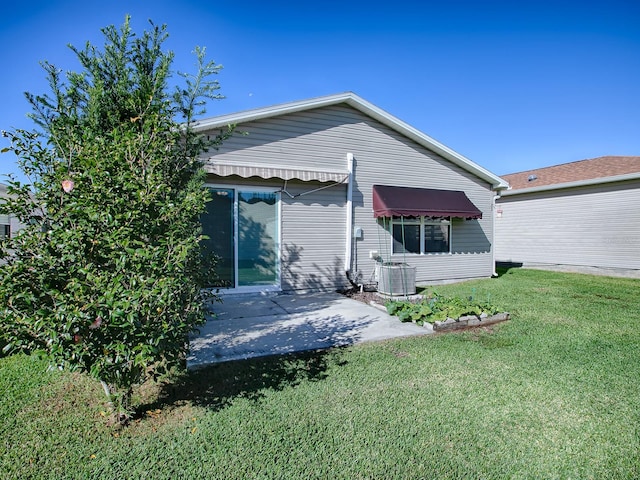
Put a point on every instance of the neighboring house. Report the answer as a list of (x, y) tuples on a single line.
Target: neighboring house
[(9, 224), (313, 194), (584, 213)]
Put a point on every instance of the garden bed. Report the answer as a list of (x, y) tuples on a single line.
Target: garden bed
[(469, 321), (435, 310)]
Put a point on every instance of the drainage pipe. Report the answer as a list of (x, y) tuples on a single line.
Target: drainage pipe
[(494, 218), (349, 229)]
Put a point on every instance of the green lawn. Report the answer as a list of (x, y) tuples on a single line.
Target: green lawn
[(553, 393)]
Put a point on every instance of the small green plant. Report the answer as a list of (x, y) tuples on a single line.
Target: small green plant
[(439, 308), (408, 311)]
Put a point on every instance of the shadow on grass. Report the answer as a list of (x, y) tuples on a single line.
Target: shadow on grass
[(502, 268), (219, 385)]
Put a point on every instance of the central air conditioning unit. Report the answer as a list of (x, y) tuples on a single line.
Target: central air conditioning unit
[(396, 278)]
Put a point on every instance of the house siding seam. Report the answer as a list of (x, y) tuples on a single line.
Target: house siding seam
[(320, 139), (596, 226)]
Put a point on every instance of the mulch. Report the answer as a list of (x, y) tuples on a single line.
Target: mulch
[(364, 296)]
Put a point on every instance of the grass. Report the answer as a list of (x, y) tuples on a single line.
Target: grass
[(553, 393)]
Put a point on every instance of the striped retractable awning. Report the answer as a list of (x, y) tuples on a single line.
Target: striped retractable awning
[(263, 171)]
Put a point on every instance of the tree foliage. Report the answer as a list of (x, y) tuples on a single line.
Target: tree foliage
[(107, 275)]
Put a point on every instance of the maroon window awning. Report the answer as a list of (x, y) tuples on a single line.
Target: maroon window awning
[(391, 201)]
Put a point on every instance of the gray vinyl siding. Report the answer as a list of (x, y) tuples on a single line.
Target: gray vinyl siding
[(314, 225), (313, 238), (587, 226), (390, 159)]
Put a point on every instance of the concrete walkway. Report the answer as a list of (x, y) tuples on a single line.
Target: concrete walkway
[(253, 325)]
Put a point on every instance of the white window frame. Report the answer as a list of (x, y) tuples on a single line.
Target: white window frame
[(422, 222)]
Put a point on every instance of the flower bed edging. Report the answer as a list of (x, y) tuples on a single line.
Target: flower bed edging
[(469, 321)]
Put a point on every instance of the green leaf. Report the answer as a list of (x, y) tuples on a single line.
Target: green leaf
[(392, 307)]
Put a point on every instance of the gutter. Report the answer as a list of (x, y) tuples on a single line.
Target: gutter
[(579, 183), (349, 226)]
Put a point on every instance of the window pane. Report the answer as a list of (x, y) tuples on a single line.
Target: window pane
[(407, 243), (436, 238), (217, 224), (257, 239)]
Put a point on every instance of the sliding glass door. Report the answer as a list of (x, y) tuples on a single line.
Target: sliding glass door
[(257, 238), (242, 226)]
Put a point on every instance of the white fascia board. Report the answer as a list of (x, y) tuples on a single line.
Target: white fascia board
[(271, 111), (579, 183), (365, 107)]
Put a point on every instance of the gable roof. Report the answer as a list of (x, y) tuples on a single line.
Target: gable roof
[(583, 172), (368, 109)]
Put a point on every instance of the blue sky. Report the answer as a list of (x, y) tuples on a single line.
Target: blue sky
[(510, 85)]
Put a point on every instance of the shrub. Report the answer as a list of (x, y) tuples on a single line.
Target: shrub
[(106, 277)]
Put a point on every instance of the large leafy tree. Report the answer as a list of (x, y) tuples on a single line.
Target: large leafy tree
[(107, 275)]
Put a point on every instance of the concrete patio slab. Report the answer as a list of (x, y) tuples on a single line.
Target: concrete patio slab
[(253, 325)]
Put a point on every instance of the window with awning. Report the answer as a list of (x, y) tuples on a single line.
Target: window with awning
[(420, 235), (392, 201)]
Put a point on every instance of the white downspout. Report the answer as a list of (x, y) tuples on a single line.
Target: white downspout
[(349, 229), (495, 197)]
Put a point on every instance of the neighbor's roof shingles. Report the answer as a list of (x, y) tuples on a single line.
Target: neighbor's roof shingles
[(600, 167)]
